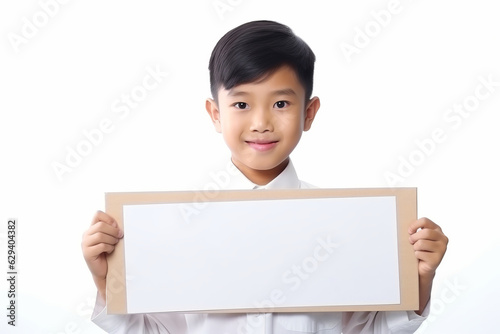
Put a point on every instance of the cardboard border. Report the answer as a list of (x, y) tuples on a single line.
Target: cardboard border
[(406, 206)]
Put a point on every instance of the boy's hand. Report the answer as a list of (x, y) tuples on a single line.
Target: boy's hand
[(98, 241), (429, 244)]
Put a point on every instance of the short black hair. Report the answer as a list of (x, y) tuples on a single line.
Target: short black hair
[(255, 49)]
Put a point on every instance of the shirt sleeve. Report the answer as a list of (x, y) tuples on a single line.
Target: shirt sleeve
[(161, 323), (400, 322)]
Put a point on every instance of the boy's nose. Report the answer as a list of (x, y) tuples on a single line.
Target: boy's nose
[(261, 120)]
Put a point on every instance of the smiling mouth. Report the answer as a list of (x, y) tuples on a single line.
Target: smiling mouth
[(262, 145)]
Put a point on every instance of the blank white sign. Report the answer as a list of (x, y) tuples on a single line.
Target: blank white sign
[(264, 254)]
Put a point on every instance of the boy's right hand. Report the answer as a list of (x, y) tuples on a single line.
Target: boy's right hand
[(98, 241)]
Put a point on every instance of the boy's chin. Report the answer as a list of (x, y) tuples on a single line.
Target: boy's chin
[(267, 166)]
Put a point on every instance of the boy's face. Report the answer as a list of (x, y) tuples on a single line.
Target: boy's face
[(262, 122)]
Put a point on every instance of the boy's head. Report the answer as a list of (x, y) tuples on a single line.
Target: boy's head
[(261, 79), (255, 49)]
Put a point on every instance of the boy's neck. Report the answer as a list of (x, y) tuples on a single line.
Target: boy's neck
[(262, 177)]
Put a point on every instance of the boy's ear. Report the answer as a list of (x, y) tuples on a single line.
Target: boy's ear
[(312, 108), (213, 112)]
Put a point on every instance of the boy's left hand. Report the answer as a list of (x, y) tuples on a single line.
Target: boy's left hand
[(429, 243)]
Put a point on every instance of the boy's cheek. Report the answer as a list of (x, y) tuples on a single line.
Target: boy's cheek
[(218, 127)]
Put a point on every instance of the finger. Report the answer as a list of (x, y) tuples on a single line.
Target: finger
[(95, 251), (427, 246), (102, 227), (103, 217), (98, 238), (426, 234), (428, 262), (422, 223), (430, 258)]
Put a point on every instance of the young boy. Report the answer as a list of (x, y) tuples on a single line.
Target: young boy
[(261, 78)]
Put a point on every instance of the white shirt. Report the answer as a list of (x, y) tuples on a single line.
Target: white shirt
[(259, 323)]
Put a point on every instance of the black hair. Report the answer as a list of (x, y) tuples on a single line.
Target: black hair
[(256, 49)]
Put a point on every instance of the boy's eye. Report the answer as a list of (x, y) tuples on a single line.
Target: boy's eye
[(281, 104), (241, 105)]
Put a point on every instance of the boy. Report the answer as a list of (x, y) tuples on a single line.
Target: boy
[(261, 78)]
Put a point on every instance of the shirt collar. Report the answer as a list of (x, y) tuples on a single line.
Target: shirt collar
[(287, 179)]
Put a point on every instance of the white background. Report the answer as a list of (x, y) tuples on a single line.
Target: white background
[(64, 79)]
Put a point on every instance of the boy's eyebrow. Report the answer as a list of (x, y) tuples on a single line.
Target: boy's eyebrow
[(233, 92), (285, 91)]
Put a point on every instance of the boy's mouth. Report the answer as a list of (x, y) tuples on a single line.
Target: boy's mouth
[(262, 145)]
